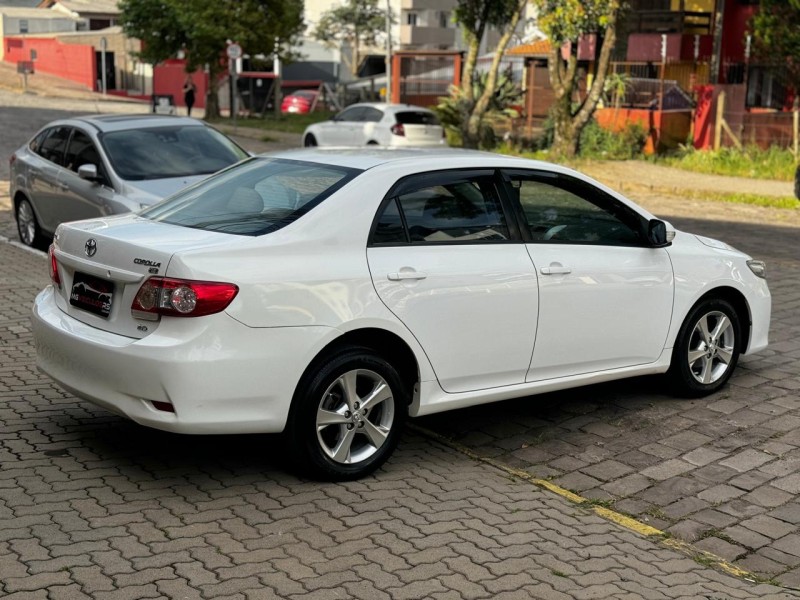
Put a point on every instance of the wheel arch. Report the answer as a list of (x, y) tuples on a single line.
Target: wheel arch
[(736, 299), (390, 346)]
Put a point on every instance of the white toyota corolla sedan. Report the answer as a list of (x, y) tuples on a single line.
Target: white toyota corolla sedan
[(332, 294)]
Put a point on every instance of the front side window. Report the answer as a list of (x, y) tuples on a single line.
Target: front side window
[(555, 213), (174, 151), (81, 151), (458, 209), (54, 145), (256, 197), (350, 114)]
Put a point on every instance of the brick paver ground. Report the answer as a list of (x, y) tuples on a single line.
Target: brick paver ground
[(722, 472), (93, 506)]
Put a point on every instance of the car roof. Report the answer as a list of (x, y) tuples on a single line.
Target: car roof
[(114, 122), (390, 107), (368, 158)]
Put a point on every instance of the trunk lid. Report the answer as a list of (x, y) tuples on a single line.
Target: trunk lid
[(103, 263), (424, 134)]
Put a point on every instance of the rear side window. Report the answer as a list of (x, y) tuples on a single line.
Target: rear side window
[(416, 117), (259, 196), (54, 145), (164, 152), (454, 210)]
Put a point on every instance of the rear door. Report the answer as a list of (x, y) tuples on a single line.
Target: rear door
[(43, 177), (341, 130), (447, 261)]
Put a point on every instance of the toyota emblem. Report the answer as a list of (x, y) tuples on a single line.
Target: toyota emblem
[(91, 247)]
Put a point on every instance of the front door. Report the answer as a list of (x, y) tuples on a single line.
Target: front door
[(605, 296), (445, 261)]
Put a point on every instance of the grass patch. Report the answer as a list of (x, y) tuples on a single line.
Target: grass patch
[(289, 123), (753, 162), (785, 202)]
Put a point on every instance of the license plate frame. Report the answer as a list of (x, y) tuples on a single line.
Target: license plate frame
[(92, 294)]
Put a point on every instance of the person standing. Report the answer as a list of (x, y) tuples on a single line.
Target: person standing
[(188, 94)]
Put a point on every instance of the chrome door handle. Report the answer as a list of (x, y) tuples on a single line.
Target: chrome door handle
[(555, 270), (406, 276)]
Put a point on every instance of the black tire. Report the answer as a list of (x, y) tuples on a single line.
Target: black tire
[(714, 358), (28, 229), (797, 182), (310, 141), (372, 143), (313, 447)]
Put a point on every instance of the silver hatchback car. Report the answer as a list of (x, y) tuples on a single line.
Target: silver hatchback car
[(108, 164)]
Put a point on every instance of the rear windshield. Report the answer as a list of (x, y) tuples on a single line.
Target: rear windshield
[(174, 151), (258, 196), (416, 118)]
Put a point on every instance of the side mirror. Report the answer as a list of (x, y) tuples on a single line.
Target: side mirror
[(657, 234), (88, 172)]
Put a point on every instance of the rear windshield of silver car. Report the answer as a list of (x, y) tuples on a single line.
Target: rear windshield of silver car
[(255, 197), (174, 151)]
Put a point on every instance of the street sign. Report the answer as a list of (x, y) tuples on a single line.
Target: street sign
[(234, 51)]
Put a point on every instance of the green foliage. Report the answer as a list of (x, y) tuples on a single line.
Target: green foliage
[(454, 110), (201, 28), (776, 34), (357, 23), (567, 20), (774, 163), (598, 142), (473, 14)]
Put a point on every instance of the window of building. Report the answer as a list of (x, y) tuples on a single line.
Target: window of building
[(411, 19)]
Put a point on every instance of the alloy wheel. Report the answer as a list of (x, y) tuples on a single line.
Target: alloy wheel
[(355, 416), (711, 347), (26, 223)]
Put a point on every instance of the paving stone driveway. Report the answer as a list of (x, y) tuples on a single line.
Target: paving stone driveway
[(722, 472), (92, 506)]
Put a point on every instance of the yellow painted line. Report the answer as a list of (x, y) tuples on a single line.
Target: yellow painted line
[(627, 522), (606, 513)]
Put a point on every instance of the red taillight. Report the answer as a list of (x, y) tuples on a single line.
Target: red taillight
[(182, 297), (12, 160), (54, 276), (398, 129)]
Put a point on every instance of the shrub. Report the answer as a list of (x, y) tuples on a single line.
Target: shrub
[(597, 142)]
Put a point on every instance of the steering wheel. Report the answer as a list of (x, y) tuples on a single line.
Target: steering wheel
[(553, 231)]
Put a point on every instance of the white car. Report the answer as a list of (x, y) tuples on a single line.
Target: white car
[(331, 294), (376, 124)]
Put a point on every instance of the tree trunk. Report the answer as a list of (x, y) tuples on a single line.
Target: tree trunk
[(468, 74), (473, 132), (212, 93), (568, 122)]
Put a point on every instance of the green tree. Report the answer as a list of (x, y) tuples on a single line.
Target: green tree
[(356, 24), (776, 35), (202, 28), (475, 17), (565, 21)]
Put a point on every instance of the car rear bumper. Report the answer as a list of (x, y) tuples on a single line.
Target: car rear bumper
[(219, 375)]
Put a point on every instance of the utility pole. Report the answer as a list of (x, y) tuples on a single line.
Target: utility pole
[(388, 52)]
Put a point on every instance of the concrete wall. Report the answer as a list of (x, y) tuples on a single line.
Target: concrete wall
[(74, 62)]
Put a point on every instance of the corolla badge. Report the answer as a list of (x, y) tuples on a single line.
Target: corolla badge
[(91, 247)]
